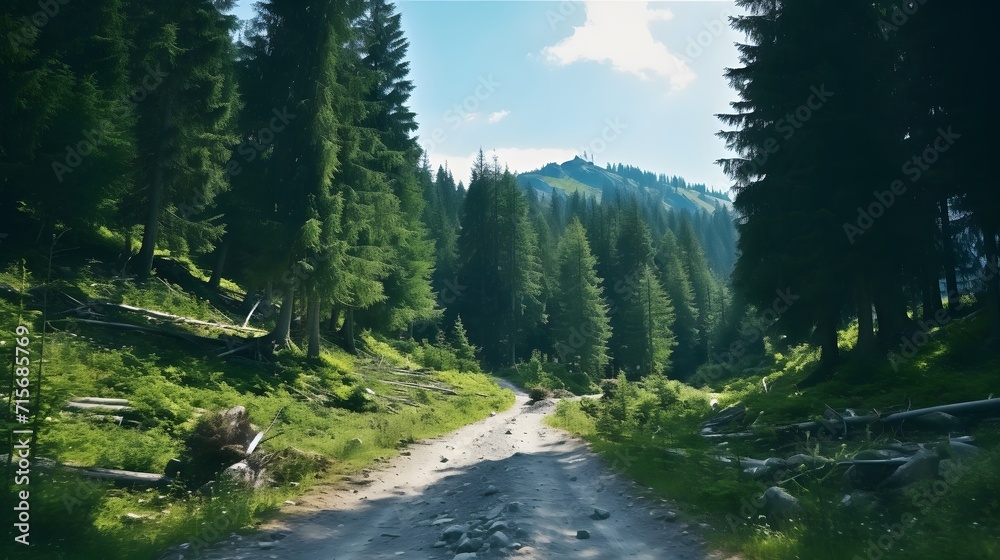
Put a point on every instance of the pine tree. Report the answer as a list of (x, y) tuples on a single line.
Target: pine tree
[(499, 270), (185, 123), (464, 350), (293, 56), (382, 48), (647, 317), (678, 288), (580, 325), (66, 144)]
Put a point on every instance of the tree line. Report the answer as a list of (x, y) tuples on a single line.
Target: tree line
[(620, 285)]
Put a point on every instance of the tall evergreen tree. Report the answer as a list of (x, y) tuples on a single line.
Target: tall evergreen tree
[(499, 270), (686, 356), (580, 325), (186, 122)]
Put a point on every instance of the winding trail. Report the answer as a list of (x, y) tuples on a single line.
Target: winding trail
[(555, 480)]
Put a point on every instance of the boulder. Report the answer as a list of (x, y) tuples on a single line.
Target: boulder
[(923, 465), (499, 540), (454, 532), (600, 514), (467, 544), (779, 503)]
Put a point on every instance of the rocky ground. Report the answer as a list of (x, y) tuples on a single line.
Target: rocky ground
[(508, 486)]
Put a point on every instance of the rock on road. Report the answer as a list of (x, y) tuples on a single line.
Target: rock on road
[(510, 487)]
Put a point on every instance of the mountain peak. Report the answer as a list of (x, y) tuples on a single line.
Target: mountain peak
[(582, 176)]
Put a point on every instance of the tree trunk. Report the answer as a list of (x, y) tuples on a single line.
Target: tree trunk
[(157, 188), (951, 279), (152, 230), (220, 262), (932, 297), (890, 307), (866, 326), (312, 320), (992, 277), (349, 331), (829, 349), (282, 328)]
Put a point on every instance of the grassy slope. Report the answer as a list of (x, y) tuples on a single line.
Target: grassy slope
[(960, 513), (171, 383)]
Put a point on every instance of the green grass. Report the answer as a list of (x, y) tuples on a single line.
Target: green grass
[(324, 409), (663, 450), (571, 186), (550, 376)]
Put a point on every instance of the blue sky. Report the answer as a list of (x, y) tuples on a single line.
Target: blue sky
[(631, 82)]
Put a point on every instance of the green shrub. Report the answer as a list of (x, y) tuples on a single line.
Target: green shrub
[(538, 394)]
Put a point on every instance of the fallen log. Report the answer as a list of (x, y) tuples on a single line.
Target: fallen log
[(99, 400), (98, 406), (183, 336), (985, 407), (180, 319), (418, 386), (131, 479)]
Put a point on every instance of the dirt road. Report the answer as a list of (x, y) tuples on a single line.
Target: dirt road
[(507, 480)]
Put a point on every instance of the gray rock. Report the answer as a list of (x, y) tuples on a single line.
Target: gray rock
[(499, 540), (581, 534), (498, 525), (513, 506), (868, 476), (779, 503), (961, 450), (454, 532), (600, 514), (466, 544), (921, 466), (465, 556), (439, 544), (490, 490)]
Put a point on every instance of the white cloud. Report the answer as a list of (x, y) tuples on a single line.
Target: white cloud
[(518, 160), (469, 117), (618, 33), (498, 116)]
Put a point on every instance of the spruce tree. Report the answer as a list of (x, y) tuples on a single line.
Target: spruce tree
[(185, 124), (670, 260), (580, 325)]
